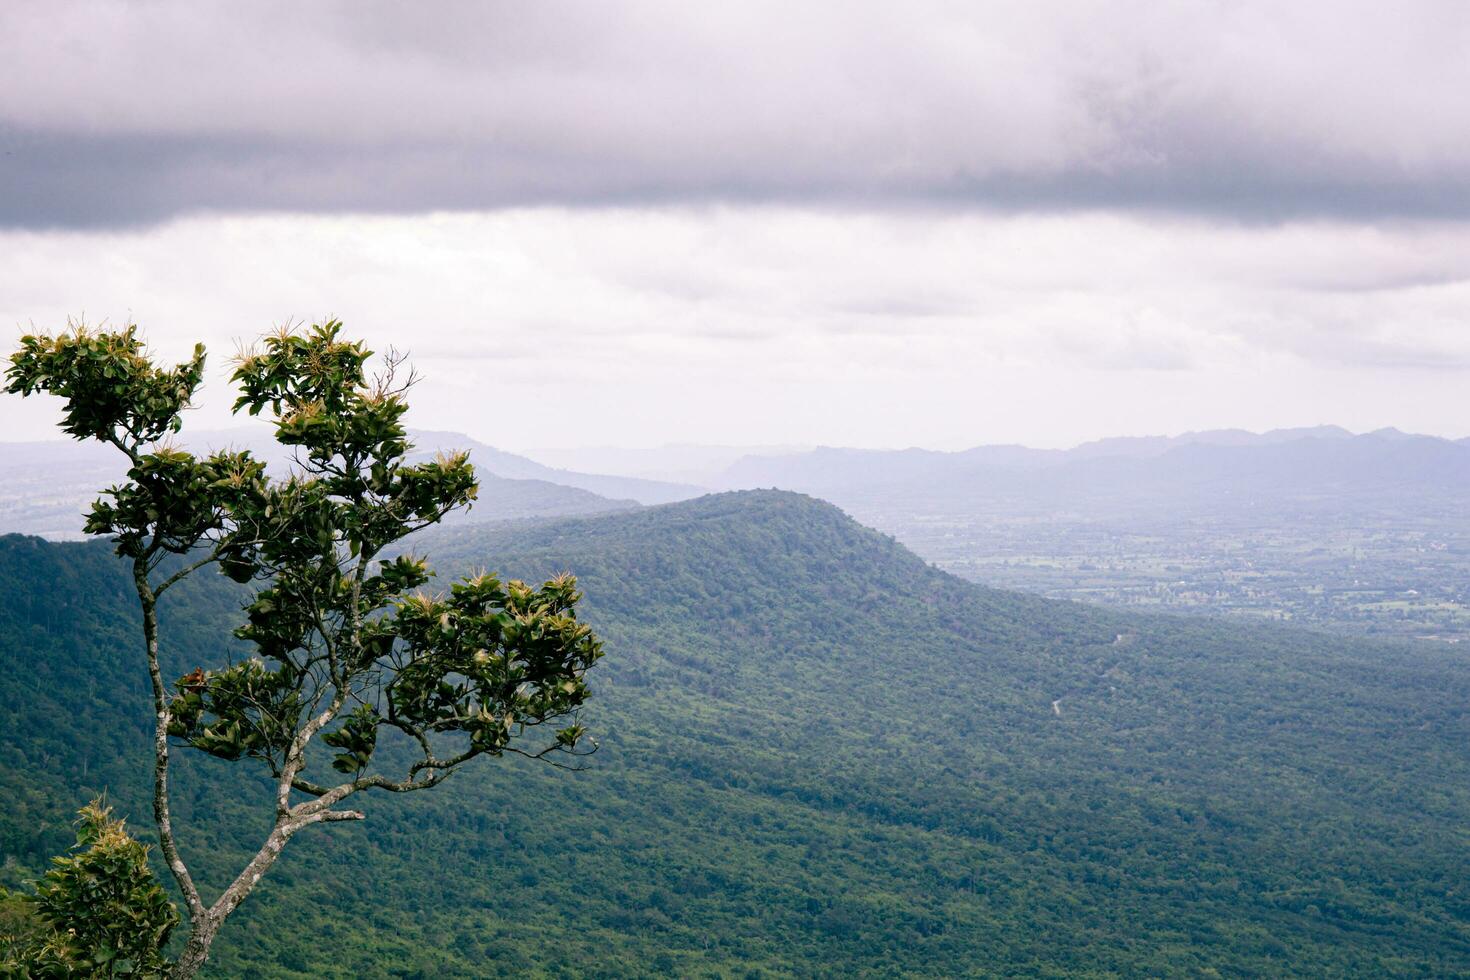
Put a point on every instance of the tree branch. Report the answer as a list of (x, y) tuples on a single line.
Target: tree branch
[(186, 571), (161, 810)]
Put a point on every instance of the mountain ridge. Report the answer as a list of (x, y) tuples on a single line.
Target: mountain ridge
[(1008, 456), (514, 466), (1203, 473), (46, 487)]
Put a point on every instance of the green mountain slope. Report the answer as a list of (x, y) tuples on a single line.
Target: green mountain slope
[(822, 757)]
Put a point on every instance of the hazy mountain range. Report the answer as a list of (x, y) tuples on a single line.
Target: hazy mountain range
[(683, 463), (1365, 531), (1220, 468), (46, 487), (511, 466), (1212, 468)]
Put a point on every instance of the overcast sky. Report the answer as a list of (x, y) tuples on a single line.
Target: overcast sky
[(869, 224)]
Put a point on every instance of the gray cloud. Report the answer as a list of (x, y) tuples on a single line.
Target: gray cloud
[(125, 113)]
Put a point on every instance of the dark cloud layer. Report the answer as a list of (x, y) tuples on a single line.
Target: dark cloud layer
[(126, 113)]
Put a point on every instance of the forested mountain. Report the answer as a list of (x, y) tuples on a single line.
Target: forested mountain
[(820, 756)]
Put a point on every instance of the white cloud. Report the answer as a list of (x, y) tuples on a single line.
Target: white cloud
[(639, 326)]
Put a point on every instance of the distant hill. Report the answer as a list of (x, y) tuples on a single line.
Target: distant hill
[(820, 757), (47, 487), (1142, 446), (686, 463), (1209, 470), (510, 465)]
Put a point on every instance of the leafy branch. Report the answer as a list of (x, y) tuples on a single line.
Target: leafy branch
[(348, 644)]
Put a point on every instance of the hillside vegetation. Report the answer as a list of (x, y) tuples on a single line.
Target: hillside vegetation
[(820, 757)]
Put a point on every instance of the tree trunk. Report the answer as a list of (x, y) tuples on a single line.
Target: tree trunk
[(161, 817), (202, 925), (196, 950)]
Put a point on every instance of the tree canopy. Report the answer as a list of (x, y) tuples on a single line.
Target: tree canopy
[(97, 912), (350, 648)]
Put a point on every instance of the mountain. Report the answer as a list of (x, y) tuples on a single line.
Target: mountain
[(836, 469), (1367, 471), (686, 463), (1275, 478), (47, 487), (1143, 446), (510, 465), (820, 757)]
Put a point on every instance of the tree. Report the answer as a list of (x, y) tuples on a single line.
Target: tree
[(97, 913), (350, 652)]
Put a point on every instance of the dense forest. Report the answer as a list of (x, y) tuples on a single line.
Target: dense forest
[(820, 756)]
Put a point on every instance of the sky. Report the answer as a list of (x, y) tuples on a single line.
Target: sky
[(869, 224)]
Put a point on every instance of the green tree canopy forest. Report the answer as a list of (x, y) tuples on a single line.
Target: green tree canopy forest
[(346, 648), (819, 756)]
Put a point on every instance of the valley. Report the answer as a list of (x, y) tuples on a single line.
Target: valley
[(1385, 578)]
